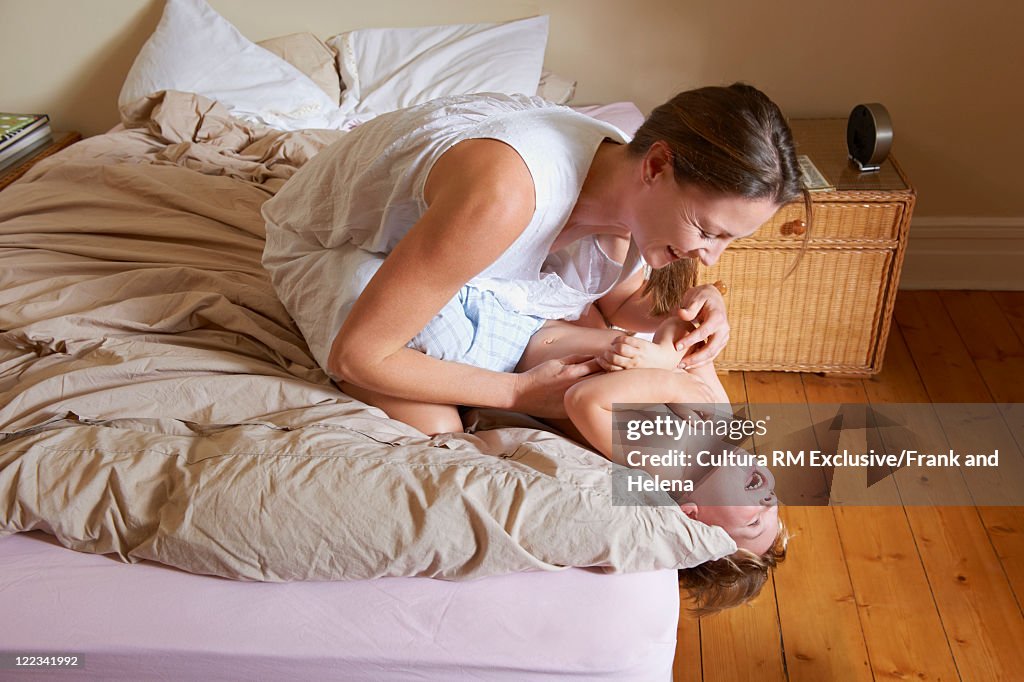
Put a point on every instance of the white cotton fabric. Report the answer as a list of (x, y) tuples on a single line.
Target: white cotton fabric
[(385, 69), (194, 49), (332, 224)]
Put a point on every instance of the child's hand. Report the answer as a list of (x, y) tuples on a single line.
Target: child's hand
[(629, 352)]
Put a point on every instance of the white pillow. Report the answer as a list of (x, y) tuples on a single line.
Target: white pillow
[(384, 69), (194, 49)]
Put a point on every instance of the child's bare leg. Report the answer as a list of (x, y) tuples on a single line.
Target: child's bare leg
[(589, 402), (707, 374), (558, 338)]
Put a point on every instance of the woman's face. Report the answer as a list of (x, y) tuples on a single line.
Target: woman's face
[(741, 500), (673, 221)]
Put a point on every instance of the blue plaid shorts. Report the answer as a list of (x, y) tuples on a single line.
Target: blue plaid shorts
[(474, 329)]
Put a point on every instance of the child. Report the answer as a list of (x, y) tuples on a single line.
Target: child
[(640, 371), (739, 499)]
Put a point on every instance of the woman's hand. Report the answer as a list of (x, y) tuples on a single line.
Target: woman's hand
[(703, 305), (540, 391)]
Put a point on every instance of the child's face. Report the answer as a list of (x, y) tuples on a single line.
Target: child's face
[(741, 500)]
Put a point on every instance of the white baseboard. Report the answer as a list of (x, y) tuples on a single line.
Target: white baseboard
[(964, 252)]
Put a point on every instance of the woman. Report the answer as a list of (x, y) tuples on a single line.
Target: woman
[(421, 252), (432, 251)]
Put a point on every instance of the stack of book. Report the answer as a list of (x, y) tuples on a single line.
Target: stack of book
[(21, 135)]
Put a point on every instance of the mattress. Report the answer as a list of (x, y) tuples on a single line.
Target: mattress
[(150, 622)]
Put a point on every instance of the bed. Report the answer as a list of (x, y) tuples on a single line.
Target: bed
[(231, 512)]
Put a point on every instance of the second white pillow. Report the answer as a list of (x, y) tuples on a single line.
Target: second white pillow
[(194, 49), (384, 69)]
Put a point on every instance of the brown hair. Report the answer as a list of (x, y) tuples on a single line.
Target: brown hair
[(733, 580), (732, 140)]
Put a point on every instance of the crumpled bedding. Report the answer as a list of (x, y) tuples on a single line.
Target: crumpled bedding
[(157, 402)]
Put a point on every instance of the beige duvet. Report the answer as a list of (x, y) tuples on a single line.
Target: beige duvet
[(156, 401)]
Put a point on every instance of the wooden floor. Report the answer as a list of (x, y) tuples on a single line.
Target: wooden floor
[(889, 593)]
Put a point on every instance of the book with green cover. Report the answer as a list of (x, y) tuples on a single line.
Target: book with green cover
[(16, 125), (19, 147), (12, 156)]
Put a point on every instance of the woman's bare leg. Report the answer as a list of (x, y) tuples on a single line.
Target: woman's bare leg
[(430, 418)]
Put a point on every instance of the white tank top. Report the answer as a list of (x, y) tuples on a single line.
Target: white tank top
[(362, 194)]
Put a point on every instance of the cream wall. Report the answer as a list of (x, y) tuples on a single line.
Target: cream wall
[(949, 73)]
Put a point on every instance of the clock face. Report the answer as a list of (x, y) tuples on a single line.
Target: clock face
[(860, 134), (869, 135)]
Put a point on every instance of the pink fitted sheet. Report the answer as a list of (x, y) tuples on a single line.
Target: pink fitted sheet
[(149, 622), (624, 115)]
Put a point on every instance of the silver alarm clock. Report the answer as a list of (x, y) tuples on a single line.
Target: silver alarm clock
[(869, 136)]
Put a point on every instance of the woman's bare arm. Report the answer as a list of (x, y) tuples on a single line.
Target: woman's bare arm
[(480, 198)]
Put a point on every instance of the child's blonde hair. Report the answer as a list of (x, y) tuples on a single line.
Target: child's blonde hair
[(666, 285), (733, 580)]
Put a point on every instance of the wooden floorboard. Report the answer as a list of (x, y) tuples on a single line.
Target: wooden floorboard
[(1011, 303), (976, 602), (884, 569), (688, 642), (931, 590), (904, 628), (753, 627), (998, 353), (945, 366), (817, 612), (990, 340), (687, 664)]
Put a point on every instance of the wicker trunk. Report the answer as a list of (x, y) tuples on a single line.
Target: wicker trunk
[(832, 312)]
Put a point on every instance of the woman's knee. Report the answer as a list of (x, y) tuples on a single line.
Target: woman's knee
[(429, 418), (436, 421)]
